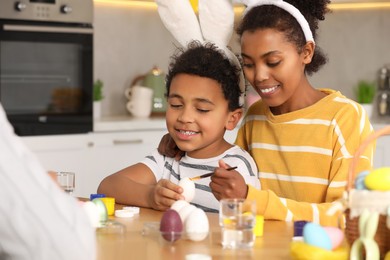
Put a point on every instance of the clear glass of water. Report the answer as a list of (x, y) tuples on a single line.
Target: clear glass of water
[(237, 218), (66, 180)]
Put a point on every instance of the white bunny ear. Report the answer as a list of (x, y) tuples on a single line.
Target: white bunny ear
[(180, 19), (233, 58), (216, 19)]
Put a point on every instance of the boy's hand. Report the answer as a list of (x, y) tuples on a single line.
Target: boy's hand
[(164, 194), (168, 147), (227, 184)]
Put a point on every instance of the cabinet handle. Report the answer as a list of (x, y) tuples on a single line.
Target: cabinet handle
[(133, 141)]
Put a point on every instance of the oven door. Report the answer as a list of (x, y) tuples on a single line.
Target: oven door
[(46, 77)]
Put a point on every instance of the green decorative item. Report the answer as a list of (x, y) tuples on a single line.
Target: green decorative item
[(155, 79), (98, 90), (365, 92)]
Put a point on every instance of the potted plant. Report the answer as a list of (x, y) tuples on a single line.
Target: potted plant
[(365, 92), (97, 98)]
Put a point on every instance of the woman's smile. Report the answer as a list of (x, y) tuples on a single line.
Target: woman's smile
[(265, 92)]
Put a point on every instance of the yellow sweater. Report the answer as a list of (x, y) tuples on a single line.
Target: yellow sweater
[(303, 157)]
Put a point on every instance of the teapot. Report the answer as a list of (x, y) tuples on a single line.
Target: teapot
[(154, 79)]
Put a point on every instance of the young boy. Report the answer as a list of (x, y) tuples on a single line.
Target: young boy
[(203, 102)]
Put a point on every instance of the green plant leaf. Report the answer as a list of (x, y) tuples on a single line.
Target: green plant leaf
[(98, 90), (365, 92)]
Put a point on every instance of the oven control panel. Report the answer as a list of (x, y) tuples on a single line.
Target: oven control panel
[(67, 11)]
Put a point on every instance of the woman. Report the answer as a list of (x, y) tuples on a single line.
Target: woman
[(302, 138)]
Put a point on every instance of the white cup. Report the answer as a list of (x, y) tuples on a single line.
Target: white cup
[(140, 101), (67, 181)]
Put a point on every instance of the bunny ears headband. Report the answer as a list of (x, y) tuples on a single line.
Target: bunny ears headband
[(216, 24), (285, 6)]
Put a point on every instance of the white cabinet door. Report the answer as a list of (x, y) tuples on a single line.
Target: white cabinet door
[(93, 156), (60, 153), (110, 153)]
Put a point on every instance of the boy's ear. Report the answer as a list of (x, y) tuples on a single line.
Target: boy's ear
[(308, 52), (234, 118)]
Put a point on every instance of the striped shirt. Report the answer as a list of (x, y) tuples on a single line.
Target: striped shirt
[(303, 157), (168, 168)]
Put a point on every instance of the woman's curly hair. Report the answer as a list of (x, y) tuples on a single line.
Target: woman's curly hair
[(206, 60), (270, 16)]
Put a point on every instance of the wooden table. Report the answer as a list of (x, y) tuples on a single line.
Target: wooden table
[(132, 244)]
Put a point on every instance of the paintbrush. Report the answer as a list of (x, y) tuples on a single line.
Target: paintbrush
[(209, 174)]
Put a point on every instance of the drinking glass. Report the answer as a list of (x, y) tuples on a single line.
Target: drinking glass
[(66, 180), (237, 218)]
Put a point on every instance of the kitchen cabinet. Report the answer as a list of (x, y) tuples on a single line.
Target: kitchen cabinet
[(93, 156)]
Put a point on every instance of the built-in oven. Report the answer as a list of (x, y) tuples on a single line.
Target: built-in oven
[(46, 65)]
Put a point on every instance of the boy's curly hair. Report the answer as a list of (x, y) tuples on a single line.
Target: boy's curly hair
[(206, 60), (269, 16)]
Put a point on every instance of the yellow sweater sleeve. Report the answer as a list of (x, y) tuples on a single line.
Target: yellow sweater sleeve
[(272, 207)]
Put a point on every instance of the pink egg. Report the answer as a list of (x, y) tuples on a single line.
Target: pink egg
[(336, 236), (171, 225)]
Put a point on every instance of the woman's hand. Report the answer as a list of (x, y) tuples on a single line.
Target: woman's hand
[(168, 147), (227, 184), (164, 194)]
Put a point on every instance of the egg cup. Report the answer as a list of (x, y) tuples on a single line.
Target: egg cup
[(152, 229), (171, 237), (111, 227)]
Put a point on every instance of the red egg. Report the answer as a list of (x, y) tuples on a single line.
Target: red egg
[(171, 225)]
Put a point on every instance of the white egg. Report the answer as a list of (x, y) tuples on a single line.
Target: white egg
[(196, 225), (92, 212), (188, 188), (179, 204), (186, 211)]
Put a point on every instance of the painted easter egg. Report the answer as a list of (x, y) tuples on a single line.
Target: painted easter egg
[(336, 236), (359, 180), (171, 225), (315, 235), (378, 179)]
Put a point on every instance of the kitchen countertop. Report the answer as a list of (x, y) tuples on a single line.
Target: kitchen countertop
[(128, 123)]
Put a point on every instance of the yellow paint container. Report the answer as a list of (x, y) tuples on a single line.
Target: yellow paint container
[(110, 205), (259, 226)]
